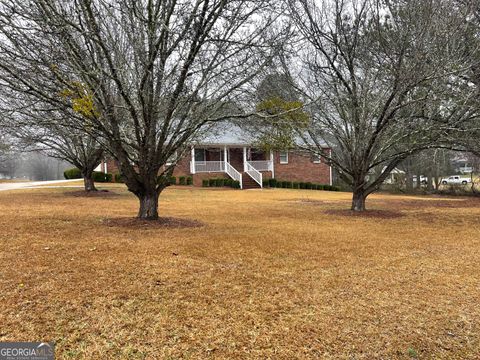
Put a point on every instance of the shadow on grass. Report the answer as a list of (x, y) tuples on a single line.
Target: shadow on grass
[(163, 222)]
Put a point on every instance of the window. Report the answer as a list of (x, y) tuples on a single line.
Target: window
[(316, 159), (200, 155), (283, 157)]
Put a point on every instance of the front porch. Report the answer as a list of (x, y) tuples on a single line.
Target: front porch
[(243, 164)]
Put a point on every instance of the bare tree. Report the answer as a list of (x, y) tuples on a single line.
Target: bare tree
[(375, 80), (7, 157), (54, 132), (156, 71), (64, 143)]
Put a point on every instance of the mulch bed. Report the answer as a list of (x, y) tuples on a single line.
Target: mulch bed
[(163, 222), (96, 194), (378, 214)]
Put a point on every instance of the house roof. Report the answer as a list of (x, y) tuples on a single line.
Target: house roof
[(225, 134), (230, 134)]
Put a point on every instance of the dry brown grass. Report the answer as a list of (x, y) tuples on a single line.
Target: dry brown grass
[(272, 274)]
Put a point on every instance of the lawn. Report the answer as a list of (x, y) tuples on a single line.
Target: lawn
[(280, 274)]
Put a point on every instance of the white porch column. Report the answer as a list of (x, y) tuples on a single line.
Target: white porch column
[(225, 158), (272, 166), (244, 158), (192, 163), (330, 166)]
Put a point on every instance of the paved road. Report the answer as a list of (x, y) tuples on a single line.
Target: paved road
[(31, 184)]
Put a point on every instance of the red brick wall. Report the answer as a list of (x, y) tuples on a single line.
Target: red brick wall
[(300, 167), (112, 167)]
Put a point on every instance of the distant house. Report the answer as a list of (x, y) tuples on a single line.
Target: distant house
[(462, 164), (229, 153), (396, 176)]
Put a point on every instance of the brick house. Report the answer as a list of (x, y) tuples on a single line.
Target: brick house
[(231, 155)]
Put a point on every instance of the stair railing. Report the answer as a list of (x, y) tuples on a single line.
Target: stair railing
[(254, 174), (233, 173)]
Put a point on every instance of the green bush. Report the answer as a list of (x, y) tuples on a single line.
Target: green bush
[(205, 183), (118, 178), (211, 182), (172, 180), (73, 173), (236, 184), (101, 177), (182, 180), (189, 180), (265, 183), (298, 185), (219, 182)]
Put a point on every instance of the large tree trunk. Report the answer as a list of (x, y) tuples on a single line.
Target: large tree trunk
[(148, 205), (89, 183), (358, 200)]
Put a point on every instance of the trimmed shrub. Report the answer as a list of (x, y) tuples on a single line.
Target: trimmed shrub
[(302, 185), (205, 183), (211, 182), (73, 173), (320, 187), (289, 185), (98, 177), (118, 178), (295, 185), (172, 180), (272, 183), (189, 180), (101, 177), (235, 184), (219, 182), (308, 185), (265, 183), (182, 180)]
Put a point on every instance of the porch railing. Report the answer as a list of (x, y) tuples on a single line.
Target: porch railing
[(233, 173), (208, 166), (254, 174), (262, 165)]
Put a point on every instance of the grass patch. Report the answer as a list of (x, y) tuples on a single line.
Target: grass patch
[(269, 275)]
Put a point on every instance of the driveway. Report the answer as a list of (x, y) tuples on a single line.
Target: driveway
[(31, 184)]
